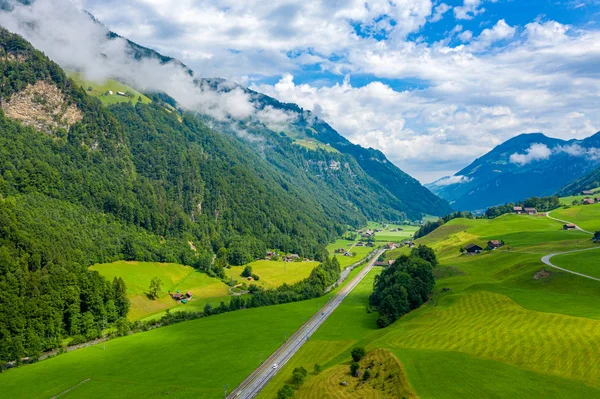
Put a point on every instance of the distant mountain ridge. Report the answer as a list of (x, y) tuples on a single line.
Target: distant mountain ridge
[(527, 165)]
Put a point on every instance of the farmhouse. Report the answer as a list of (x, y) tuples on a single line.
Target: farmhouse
[(589, 201), (178, 296), (473, 249), (390, 245), (587, 192), (493, 244), (188, 294), (340, 251), (530, 211), (570, 226), (347, 254), (360, 244), (518, 210), (596, 238)]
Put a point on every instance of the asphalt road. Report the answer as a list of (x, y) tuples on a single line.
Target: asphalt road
[(547, 259), (252, 385)]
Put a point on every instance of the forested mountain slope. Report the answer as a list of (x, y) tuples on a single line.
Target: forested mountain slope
[(80, 184), (525, 166), (587, 182)]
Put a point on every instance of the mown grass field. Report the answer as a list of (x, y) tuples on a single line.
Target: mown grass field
[(190, 359), (99, 91), (273, 273), (496, 331), (137, 277)]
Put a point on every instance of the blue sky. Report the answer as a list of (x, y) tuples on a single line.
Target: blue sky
[(432, 84)]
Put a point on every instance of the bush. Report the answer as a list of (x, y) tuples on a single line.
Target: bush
[(358, 353), (255, 277), (354, 367), (247, 271), (317, 368), (367, 375), (286, 392)]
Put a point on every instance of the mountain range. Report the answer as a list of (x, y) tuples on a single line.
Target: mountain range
[(524, 166)]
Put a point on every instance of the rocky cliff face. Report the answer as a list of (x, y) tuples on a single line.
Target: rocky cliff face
[(43, 106)]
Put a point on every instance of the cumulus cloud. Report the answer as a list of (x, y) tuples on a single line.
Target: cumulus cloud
[(535, 152), (439, 12), (72, 39), (576, 150), (469, 10)]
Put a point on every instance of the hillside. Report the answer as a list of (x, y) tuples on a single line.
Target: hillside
[(588, 182), (525, 166)]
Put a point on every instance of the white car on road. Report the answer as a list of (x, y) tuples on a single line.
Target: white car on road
[(274, 366)]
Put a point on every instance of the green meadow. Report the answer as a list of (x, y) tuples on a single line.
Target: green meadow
[(490, 329), (313, 144), (350, 246), (99, 90), (273, 273), (587, 262), (406, 231), (137, 277), (585, 216), (190, 359)]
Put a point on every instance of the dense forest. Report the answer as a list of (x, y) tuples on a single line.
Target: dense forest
[(135, 183), (404, 286)]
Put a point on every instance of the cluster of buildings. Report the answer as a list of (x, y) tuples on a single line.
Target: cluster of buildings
[(183, 298), (519, 210)]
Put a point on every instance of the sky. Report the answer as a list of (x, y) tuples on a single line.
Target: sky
[(432, 84)]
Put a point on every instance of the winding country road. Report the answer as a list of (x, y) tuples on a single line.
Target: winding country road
[(252, 385), (547, 259)]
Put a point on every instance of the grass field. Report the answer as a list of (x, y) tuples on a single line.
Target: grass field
[(496, 332), (350, 246), (587, 262), (313, 144), (392, 236), (569, 200), (585, 216), (190, 359), (273, 274), (137, 277), (99, 91)]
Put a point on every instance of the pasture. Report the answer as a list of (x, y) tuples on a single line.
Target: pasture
[(496, 331), (587, 262), (405, 231), (137, 277), (350, 246), (273, 273), (585, 216), (99, 90), (190, 359)]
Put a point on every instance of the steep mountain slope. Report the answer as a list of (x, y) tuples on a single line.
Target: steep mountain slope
[(524, 166), (363, 179)]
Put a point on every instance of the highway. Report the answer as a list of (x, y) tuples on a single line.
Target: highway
[(252, 385)]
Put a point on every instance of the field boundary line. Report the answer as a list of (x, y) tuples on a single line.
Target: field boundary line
[(70, 389)]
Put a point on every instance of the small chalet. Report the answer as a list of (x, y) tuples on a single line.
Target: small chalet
[(381, 263), (518, 210), (188, 294), (587, 192), (120, 93), (473, 249), (493, 244), (378, 230), (178, 296), (370, 244), (390, 245), (570, 226), (589, 201), (347, 254), (530, 211), (340, 251), (360, 244)]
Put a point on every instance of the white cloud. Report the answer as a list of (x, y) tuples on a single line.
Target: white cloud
[(454, 102), (469, 10), (439, 12), (536, 152), (449, 180)]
